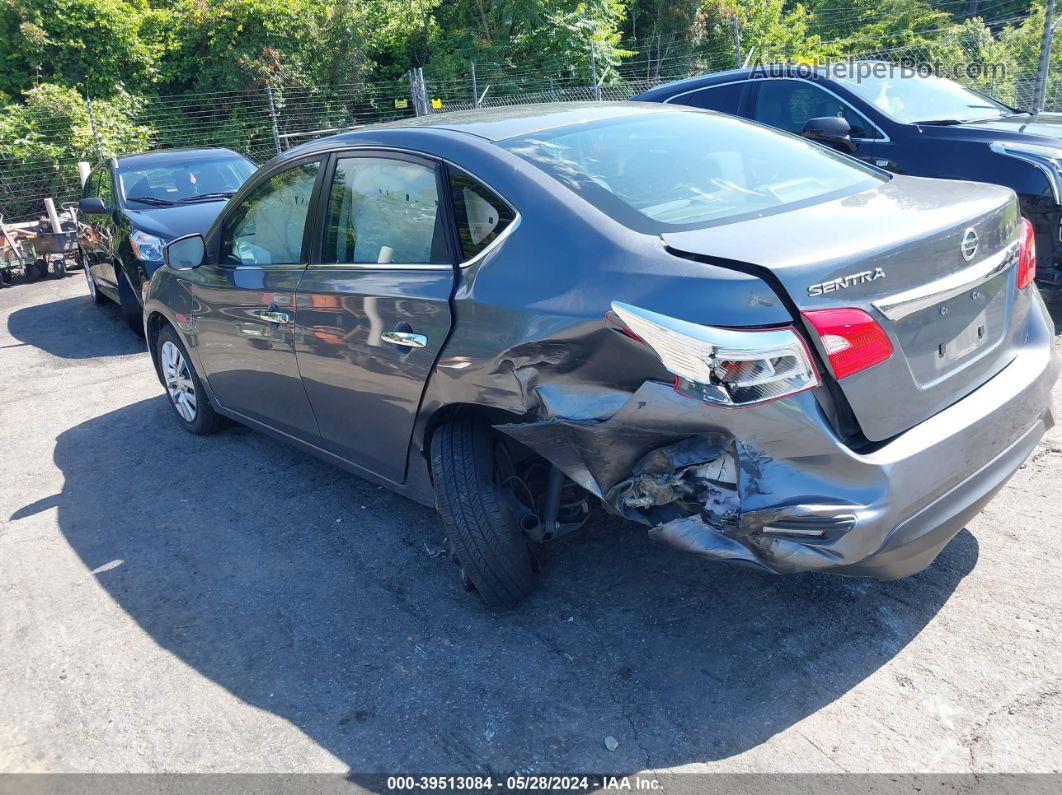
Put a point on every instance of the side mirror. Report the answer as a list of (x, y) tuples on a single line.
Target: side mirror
[(833, 131), (92, 205), (185, 253)]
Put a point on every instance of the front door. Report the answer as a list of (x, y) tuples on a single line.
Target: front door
[(245, 318), (374, 308)]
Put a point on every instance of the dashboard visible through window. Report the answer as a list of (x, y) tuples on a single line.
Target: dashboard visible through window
[(199, 179)]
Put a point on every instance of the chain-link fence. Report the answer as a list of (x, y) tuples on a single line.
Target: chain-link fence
[(262, 122)]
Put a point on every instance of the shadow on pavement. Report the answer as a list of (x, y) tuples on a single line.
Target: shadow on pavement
[(74, 328), (316, 596)]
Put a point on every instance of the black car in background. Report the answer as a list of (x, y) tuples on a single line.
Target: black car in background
[(892, 117), (132, 206)]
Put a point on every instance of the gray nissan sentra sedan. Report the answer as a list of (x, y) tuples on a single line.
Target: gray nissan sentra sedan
[(765, 352)]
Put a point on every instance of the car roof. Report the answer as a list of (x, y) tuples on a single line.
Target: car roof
[(494, 124), (766, 71), (698, 81), (161, 156)]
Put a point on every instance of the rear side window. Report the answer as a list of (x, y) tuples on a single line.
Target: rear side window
[(268, 226), (725, 99), (385, 211), (480, 213)]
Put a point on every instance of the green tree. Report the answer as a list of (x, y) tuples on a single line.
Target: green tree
[(93, 45), (43, 136), (551, 37)]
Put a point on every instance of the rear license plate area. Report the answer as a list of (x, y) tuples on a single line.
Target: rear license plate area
[(944, 337)]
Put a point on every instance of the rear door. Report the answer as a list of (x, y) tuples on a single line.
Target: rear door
[(245, 297), (373, 309)]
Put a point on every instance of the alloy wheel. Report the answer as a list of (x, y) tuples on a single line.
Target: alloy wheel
[(179, 382)]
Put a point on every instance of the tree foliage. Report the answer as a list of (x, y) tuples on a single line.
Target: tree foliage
[(94, 45), (122, 53)]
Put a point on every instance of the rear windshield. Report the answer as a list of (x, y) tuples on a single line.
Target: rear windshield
[(689, 169)]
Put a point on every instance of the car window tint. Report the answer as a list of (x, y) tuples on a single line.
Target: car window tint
[(721, 98), (480, 213), (384, 211), (268, 225), (790, 104)]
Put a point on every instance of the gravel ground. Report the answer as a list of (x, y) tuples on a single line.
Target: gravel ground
[(174, 603)]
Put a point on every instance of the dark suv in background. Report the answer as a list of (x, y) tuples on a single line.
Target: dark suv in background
[(133, 205), (922, 126)]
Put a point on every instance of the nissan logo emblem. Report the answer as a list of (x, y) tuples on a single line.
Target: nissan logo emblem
[(968, 247)]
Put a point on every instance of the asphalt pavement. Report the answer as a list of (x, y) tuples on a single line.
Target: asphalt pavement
[(176, 603)]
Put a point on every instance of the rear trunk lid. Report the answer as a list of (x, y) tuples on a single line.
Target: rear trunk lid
[(904, 253)]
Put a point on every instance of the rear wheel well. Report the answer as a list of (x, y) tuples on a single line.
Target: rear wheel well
[(155, 323), (487, 415)]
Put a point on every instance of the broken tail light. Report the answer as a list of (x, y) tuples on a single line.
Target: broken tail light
[(853, 340), (728, 367), (1026, 255)]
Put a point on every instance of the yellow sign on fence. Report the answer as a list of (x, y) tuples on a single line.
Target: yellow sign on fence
[(436, 104), (401, 103)]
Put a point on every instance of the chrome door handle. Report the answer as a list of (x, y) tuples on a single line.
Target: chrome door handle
[(274, 317), (406, 338)]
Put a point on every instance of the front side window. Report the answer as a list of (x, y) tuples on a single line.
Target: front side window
[(481, 214), (267, 227), (384, 211), (790, 104), (665, 171)]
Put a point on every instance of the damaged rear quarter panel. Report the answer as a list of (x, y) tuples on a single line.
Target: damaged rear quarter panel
[(530, 344), (529, 337)]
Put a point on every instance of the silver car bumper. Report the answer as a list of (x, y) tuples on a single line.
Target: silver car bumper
[(775, 488)]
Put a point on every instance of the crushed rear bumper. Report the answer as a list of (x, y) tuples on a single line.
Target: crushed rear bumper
[(773, 487)]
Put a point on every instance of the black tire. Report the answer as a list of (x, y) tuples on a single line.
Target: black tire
[(59, 268), (132, 313), (206, 420), (484, 540), (34, 271)]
